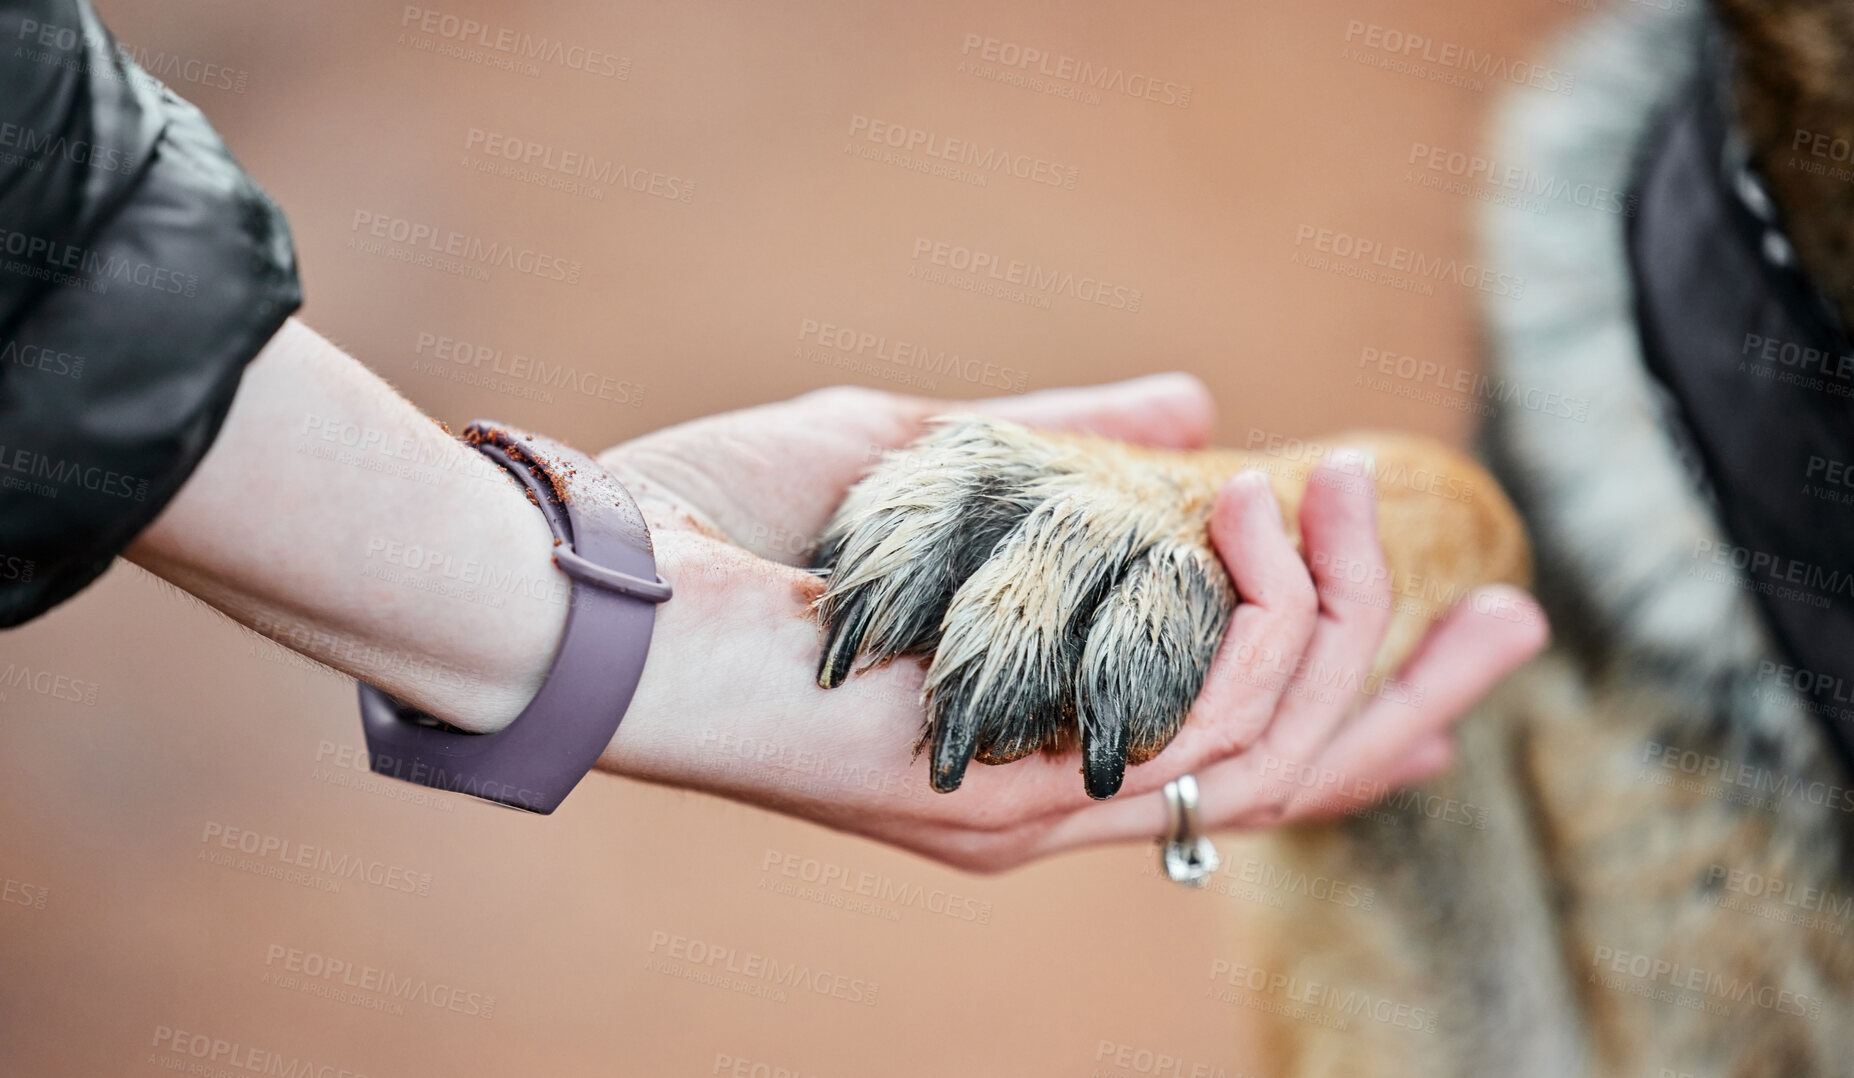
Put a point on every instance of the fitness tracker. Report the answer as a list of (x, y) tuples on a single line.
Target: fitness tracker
[(600, 541)]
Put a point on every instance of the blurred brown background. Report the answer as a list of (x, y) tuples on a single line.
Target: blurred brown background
[(122, 939)]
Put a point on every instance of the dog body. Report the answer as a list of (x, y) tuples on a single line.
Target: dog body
[(1640, 865), (1662, 884)]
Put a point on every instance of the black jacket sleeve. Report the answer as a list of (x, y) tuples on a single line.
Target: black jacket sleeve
[(140, 270)]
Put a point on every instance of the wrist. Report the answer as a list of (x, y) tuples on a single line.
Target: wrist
[(601, 543), (506, 618), (705, 665)]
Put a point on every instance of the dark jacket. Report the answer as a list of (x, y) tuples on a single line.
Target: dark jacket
[(140, 270)]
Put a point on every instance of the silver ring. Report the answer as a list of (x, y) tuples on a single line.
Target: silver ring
[(1189, 858)]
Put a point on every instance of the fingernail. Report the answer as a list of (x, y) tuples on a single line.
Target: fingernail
[(1430, 759), (1511, 604), (1352, 460), (1257, 480)]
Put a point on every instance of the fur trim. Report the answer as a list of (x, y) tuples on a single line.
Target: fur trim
[(1616, 505)]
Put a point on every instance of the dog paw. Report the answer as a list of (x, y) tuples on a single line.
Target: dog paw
[(1063, 591)]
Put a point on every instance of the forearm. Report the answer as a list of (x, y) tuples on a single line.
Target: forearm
[(334, 517)]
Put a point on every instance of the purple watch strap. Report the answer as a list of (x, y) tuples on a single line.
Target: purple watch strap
[(601, 543)]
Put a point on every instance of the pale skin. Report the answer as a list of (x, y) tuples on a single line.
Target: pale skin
[(287, 541)]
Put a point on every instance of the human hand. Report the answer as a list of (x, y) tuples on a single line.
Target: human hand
[(729, 703)]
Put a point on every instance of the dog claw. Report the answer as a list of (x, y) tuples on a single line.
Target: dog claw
[(1104, 758), (841, 644), (954, 738), (1151, 641)]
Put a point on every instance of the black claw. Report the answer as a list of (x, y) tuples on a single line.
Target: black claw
[(839, 655), (843, 640), (1104, 758), (954, 738), (1145, 661)]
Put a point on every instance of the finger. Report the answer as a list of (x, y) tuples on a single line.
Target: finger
[(1145, 817), (1480, 642), (1339, 523), (1253, 662), (1222, 804), (1426, 759), (1268, 633), (1223, 787), (1258, 652), (1170, 411), (1463, 658), (1124, 819)]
